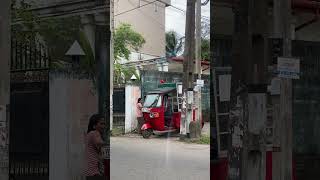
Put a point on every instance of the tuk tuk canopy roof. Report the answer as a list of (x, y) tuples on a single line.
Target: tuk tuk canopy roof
[(163, 90)]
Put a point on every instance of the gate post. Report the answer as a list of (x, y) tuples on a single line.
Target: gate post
[(5, 44)]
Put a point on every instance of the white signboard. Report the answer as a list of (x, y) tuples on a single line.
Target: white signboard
[(257, 112), (288, 68), (200, 82), (190, 97), (224, 87), (180, 89)]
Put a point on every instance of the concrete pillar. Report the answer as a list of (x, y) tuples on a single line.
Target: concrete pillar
[(88, 23), (103, 58), (5, 44), (111, 63)]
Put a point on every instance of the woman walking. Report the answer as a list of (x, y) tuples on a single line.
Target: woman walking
[(94, 143)]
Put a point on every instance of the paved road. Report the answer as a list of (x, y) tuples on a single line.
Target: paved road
[(135, 158)]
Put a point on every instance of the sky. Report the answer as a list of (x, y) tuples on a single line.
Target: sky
[(175, 19)]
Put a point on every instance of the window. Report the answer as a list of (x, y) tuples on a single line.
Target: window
[(153, 100)]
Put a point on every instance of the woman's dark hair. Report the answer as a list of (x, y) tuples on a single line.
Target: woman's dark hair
[(139, 100), (94, 119)]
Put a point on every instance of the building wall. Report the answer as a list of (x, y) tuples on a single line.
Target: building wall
[(224, 20), (71, 105), (149, 21), (223, 17)]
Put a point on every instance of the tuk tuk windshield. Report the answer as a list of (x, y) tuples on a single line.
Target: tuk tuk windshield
[(152, 100)]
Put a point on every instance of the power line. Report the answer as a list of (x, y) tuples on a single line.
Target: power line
[(184, 11), (177, 8), (135, 8)]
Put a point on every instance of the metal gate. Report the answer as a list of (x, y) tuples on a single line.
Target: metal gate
[(119, 108), (29, 112), (306, 111)]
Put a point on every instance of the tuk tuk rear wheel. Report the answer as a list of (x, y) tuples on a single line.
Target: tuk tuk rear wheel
[(146, 133)]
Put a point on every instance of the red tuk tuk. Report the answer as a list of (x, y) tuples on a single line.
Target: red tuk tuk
[(162, 111)]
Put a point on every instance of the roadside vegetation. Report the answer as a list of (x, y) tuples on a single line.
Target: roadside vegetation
[(204, 139)]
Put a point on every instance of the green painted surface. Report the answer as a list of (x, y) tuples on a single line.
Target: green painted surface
[(167, 85)]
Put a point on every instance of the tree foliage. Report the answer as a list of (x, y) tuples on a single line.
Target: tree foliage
[(205, 29), (205, 49), (125, 40), (205, 40), (56, 33), (174, 44)]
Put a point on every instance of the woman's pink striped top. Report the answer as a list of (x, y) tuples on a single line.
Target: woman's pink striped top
[(93, 149)]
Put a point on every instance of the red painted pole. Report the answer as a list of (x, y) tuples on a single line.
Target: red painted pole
[(269, 165), (219, 169)]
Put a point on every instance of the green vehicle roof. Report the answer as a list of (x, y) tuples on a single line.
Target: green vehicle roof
[(163, 90), (165, 85)]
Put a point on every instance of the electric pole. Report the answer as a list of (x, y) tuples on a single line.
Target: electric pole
[(286, 96), (111, 62), (198, 62), (5, 44), (188, 68), (276, 156), (249, 78)]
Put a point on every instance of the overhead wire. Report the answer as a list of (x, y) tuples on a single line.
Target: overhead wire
[(184, 11), (172, 6), (135, 8)]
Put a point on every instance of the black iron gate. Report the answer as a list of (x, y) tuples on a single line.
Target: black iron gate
[(306, 111), (29, 116)]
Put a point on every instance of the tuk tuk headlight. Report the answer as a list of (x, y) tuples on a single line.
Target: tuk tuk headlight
[(151, 115), (154, 115)]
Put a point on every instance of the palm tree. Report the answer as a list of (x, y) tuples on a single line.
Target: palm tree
[(174, 44)]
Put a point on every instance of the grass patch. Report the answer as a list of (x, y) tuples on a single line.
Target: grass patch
[(204, 139), (117, 131)]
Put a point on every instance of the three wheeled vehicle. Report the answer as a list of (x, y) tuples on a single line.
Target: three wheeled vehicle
[(162, 110)]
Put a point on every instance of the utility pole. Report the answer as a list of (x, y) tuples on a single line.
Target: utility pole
[(198, 63), (103, 54), (111, 62), (282, 29), (249, 79), (276, 156), (188, 68), (5, 44)]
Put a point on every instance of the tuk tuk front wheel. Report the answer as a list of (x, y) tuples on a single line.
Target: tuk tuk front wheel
[(146, 133)]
